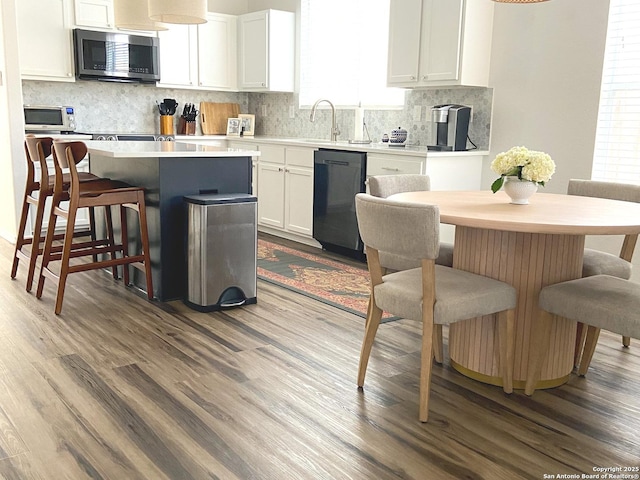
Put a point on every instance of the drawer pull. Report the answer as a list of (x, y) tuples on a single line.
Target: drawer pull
[(391, 169)]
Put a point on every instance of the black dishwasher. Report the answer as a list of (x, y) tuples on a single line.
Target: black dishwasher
[(338, 176)]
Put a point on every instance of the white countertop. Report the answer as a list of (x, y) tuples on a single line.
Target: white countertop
[(340, 144), (127, 149)]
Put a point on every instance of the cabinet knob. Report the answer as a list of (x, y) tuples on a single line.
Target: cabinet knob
[(280, 169), (412, 77)]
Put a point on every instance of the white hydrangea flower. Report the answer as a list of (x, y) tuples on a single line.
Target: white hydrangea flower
[(526, 164)]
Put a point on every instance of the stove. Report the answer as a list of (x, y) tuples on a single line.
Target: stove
[(132, 137)]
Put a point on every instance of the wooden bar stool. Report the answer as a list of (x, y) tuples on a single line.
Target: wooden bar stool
[(91, 194), (36, 193)]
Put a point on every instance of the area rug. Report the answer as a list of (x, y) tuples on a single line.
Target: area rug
[(325, 280)]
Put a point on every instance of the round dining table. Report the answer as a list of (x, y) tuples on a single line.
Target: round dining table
[(528, 246)]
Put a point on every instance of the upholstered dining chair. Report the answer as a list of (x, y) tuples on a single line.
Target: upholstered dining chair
[(92, 194), (599, 301), (37, 190), (596, 262), (432, 294), (386, 185)]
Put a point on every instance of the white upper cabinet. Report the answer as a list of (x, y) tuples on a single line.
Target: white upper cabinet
[(439, 42), (266, 51), (94, 14), (45, 40), (100, 15), (200, 56), (217, 52), (179, 56)]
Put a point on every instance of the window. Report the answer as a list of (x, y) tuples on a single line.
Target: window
[(617, 149), (343, 53)]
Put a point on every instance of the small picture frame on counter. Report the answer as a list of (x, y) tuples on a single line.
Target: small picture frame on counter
[(248, 122), (233, 127)]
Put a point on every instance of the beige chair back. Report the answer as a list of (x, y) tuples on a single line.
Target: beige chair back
[(386, 185), (407, 229)]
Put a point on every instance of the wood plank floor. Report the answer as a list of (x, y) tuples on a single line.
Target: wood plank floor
[(120, 388)]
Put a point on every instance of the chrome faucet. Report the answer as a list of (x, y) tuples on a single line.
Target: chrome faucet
[(334, 128)]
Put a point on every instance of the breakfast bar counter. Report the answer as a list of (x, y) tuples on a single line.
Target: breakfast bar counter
[(168, 171)]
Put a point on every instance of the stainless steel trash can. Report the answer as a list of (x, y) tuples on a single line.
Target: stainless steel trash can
[(221, 251)]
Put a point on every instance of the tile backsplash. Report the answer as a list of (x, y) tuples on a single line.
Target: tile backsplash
[(129, 108)]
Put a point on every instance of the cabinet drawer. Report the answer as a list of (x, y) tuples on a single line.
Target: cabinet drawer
[(272, 153), (301, 157), (389, 165)]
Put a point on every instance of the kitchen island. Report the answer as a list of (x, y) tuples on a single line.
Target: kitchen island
[(169, 171)]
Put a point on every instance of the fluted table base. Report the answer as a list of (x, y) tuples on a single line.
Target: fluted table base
[(528, 261)]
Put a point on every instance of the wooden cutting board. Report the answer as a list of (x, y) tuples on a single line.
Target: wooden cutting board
[(213, 117)]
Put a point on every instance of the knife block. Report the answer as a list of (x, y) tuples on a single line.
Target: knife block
[(186, 127), (166, 125)]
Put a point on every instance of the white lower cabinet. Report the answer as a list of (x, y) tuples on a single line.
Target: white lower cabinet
[(391, 164), (447, 171), (285, 183)]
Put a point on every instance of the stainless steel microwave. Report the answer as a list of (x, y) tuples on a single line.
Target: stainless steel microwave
[(117, 57), (45, 118)]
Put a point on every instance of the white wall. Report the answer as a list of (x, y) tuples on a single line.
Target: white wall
[(236, 7), (546, 69), (12, 159), (286, 5)]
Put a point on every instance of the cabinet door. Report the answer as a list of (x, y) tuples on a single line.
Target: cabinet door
[(178, 55), (217, 52), (94, 13), (404, 45), (271, 199), (253, 50), (299, 200), (441, 36), (45, 40)]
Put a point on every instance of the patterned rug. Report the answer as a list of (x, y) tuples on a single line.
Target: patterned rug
[(328, 281)]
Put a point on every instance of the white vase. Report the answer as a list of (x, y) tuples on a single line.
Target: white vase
[(519, 190)]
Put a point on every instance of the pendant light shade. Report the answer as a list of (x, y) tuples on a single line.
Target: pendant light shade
[(178, 11), (134, 15)]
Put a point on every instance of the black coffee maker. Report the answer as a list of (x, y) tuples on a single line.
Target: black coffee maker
[(449, 127)]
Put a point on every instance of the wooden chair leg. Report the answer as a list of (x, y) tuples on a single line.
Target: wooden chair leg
[(124, 238), (92, 229), (538, 350), (626, 342), (35, 243), (581, 333), (48, 246), (65, 258), (373, 322), (110, 239), (589, 347), (426, 363), (144, 238), (438, 346), (20, 240), (506, 330)]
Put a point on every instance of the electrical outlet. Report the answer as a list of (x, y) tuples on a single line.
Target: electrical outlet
[(264, 110), (417, 113), (292, 111)]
